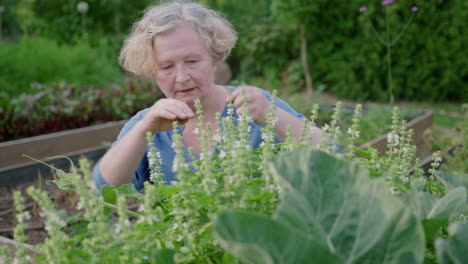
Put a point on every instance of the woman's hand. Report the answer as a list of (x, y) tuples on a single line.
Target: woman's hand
[(163, 113), (256, 103)]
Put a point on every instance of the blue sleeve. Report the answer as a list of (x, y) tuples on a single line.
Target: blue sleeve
[(141, 173)]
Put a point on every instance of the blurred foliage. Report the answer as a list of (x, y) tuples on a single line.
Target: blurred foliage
[(60, 20), (456, 156), (41, 60), (60, 106), (343, 53), (345, 56)]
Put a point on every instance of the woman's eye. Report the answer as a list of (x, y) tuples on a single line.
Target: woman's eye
[(167, 67), (192, 61)]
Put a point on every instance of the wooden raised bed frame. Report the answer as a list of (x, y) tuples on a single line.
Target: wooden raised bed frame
[(75, 143)]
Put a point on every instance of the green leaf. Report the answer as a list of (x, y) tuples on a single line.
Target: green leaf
[(454, 249), (450, 205), (453, 179), (433, 213), (356, 215), (164, 256), (128, 190), (364, 153), (109, 195), (254, 238), (420, 202), (78, 254), (64, 180)]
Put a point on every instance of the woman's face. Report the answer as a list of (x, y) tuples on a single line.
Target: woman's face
[(184, 69)]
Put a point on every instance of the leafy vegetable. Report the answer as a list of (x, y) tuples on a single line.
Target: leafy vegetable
[(330, 203)]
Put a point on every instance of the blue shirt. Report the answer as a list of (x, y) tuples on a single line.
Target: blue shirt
[(163, 144)]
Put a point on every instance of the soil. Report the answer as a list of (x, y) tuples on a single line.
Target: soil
[(35, 231)]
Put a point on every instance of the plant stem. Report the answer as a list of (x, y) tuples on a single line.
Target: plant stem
[(403, 31), (389, 58), (375, 31)]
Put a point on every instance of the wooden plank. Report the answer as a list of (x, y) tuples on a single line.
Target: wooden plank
[(15, 175), (57, 144)]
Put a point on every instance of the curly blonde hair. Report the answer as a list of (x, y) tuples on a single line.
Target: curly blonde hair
[(215, 31)]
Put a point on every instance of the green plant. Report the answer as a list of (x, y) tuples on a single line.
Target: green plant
[(387, 41), (44, 61)]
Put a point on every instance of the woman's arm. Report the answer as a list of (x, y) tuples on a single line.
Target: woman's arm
[(119, 164)]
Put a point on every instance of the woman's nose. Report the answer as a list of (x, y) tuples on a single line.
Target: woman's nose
[(182, 74)]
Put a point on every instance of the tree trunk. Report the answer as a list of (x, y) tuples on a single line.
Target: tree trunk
[(305, 65)]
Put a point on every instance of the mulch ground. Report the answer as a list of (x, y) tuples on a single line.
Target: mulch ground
[(35, 232)]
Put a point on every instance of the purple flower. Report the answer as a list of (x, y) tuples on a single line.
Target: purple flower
[(364, 9), (414, 9), (387, 2)]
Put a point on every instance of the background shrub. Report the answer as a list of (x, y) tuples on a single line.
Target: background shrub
[(344, 56), (42, 60)]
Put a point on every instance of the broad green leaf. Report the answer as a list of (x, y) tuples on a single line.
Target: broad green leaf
[(164, 256), (358, 217), (109, 195), (454, 249), (255, 238), (433, 213), (453, 179), (450, 205), (128, 190), (420, 202)]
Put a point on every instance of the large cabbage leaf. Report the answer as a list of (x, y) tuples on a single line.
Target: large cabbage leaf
[(255, 238), (453, 179), (331, 203), (436, 213)]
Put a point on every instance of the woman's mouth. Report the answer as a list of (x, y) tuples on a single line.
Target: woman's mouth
[(187, 90)]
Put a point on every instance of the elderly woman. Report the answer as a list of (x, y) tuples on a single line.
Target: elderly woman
[(179, 45)]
